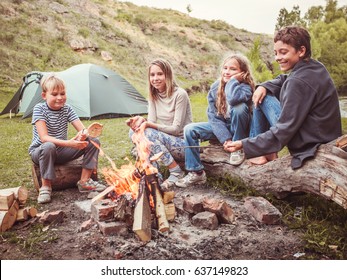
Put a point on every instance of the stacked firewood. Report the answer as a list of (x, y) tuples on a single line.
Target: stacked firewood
[(12, 207)]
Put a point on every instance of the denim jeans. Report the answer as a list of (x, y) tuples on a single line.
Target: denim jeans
[(171, 146), (265, 115), (195, 133)]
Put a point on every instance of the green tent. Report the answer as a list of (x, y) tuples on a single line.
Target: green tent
[(93, 91)]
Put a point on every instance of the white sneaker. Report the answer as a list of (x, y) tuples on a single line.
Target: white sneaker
[(173, 178), (236, 158), (191, 179)]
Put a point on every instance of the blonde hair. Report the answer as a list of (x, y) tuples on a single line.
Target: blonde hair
[(51, 82), (170, 82), (245, 67)]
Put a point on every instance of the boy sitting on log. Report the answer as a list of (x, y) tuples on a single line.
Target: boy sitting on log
[(299, 109), (50, 144)]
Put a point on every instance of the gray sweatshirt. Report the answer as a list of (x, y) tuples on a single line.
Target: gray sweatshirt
[(310, 114)]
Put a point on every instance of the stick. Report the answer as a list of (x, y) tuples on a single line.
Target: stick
[(200, 147)]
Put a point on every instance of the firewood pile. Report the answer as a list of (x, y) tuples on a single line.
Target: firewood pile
[(13, 207)]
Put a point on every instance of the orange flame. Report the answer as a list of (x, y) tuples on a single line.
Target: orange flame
[(123, 179)]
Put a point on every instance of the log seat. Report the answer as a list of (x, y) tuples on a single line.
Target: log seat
[(67, 175)]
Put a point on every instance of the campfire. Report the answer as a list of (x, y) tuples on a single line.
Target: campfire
[(134, 196)]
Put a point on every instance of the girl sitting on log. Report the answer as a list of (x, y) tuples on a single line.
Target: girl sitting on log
[(299, 109), (228, 114)]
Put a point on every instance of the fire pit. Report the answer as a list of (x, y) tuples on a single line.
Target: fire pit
[(134, 196)]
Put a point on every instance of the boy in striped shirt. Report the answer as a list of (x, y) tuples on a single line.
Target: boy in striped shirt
[(50, 144)]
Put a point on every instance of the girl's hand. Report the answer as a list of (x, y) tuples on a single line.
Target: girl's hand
[(258, 96), (142, 127), (232, 146), (240, 76), (135, 122)]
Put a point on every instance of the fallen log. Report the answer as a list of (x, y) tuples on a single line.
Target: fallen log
[(325, 175)]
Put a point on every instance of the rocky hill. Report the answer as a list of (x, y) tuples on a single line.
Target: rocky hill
[(49, 35)]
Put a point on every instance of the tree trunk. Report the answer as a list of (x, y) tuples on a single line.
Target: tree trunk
[(325, 175)]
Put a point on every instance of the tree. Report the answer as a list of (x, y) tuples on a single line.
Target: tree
[(330, 47), (189, 9), (260, 71), (314, 15), (286, 18)]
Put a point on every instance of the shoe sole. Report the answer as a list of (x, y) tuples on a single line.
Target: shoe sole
[(193, 184)]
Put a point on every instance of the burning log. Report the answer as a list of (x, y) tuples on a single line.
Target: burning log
[(124, 210), (163, 224), (142, 214)]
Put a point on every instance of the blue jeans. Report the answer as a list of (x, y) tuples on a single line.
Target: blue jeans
[(265, 115), (196, 132)]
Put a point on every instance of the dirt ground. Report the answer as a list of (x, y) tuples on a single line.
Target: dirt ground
[(245, 239)]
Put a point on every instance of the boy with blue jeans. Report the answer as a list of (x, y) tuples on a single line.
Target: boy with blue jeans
[(308, 106)]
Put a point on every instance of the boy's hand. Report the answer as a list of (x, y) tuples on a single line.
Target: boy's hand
[(82, 135), (258, 96), (76, 144)]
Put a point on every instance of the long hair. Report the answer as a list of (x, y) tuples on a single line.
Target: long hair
[(221, 102), (170, 82), (51, 82)]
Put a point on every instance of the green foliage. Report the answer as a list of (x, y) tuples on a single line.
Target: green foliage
[(260, 71), (232, 186), (286, 18), (84, 32), (328, 29), (328, 37)]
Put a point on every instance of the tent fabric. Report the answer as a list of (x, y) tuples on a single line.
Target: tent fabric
[(92, 91)]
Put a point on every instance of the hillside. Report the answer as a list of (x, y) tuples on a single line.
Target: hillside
[(52, 36)]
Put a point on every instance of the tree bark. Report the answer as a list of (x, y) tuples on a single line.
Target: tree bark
[(325, 175)]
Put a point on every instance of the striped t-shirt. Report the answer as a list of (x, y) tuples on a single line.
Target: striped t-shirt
[(57, 122)]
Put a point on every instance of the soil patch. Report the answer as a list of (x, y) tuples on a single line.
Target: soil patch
[(245, 239)]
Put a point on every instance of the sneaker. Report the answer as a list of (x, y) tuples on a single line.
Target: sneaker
[(45, 194), (90, 185), (173, 178), (236, 158), (191, 179)]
